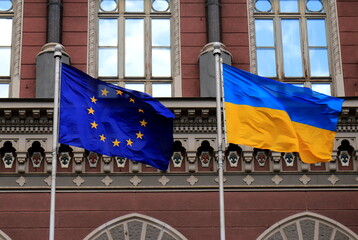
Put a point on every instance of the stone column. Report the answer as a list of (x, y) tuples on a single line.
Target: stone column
[(45, 61), (54, 21), (206, 58)]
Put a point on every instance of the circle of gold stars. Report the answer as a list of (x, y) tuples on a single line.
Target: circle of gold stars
[(94, 124)]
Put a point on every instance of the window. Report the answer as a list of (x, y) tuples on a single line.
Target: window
[(6, 24), (292, 43), (135, 45)]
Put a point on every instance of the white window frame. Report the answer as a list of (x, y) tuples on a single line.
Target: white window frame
[(333, 42), (175, 49), (15, 62)]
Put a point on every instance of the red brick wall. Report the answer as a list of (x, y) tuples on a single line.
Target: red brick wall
[(235, 32), (348, 18), (34, 37), (74, 38), (194, 214), (74, 31), (193, 39)]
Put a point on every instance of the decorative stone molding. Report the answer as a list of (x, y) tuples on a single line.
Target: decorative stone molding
[(195, 122), (17, 40), (233, 181), (91, 49)]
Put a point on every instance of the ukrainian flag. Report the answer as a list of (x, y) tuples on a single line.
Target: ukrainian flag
[(267, 114)]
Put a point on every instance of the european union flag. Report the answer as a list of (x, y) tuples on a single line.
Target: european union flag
[(114, 121)]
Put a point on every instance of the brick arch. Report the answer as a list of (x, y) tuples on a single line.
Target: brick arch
[(307, 225), (135, 226)]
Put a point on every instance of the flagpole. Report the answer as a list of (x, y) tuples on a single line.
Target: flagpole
[(57, 56), (217, 54)]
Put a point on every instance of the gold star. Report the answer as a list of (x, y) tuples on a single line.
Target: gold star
[(104, 92), (129, 142), (143, 123), (116, 143), (103, 138), (119, 92), (94, 100), (131, 100), (140, 110), (140, 135), (90, 110), (94, 124)]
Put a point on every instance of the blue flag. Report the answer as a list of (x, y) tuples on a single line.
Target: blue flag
[(114, 121)]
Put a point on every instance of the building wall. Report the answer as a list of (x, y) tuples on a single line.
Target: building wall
[(193, 214), (235, 32), (193, 38), (33, 38), (347, 14), (24, 214), (74, 31)]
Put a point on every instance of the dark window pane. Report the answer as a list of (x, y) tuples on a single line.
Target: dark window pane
[(135, 86), (319, 62), (161, 90), (288, 5), (6, 31), (160, 32), (161, 60), (324, 88), (108, 5), (134, 47), (263, 5), (264, 33), (107, 62), (266, 62), (5, 5), (134, 5), (314, 6), (316, 32), (108, 32), (291, 44), (5, 57), (4, 90), (160, 5)]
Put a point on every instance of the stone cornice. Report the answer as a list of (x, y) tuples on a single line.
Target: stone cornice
[(194, 115), (23, 121)]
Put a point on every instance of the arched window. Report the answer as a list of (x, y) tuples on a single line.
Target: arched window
[(135, 226), (307, 225)]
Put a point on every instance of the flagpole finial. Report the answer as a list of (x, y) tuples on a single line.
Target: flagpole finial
[(217, 48), (58, 51)]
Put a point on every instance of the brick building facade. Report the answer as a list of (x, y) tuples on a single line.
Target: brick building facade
[(268, 195)]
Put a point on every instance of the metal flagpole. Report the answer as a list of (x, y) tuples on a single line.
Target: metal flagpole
[(217, 54), (57, 56)]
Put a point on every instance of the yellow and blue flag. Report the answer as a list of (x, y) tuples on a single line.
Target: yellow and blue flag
[(114, 121), (267, 114)]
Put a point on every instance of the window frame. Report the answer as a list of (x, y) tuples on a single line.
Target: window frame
[(9, 14), (147, 80), (15, 62), (332, 40)]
